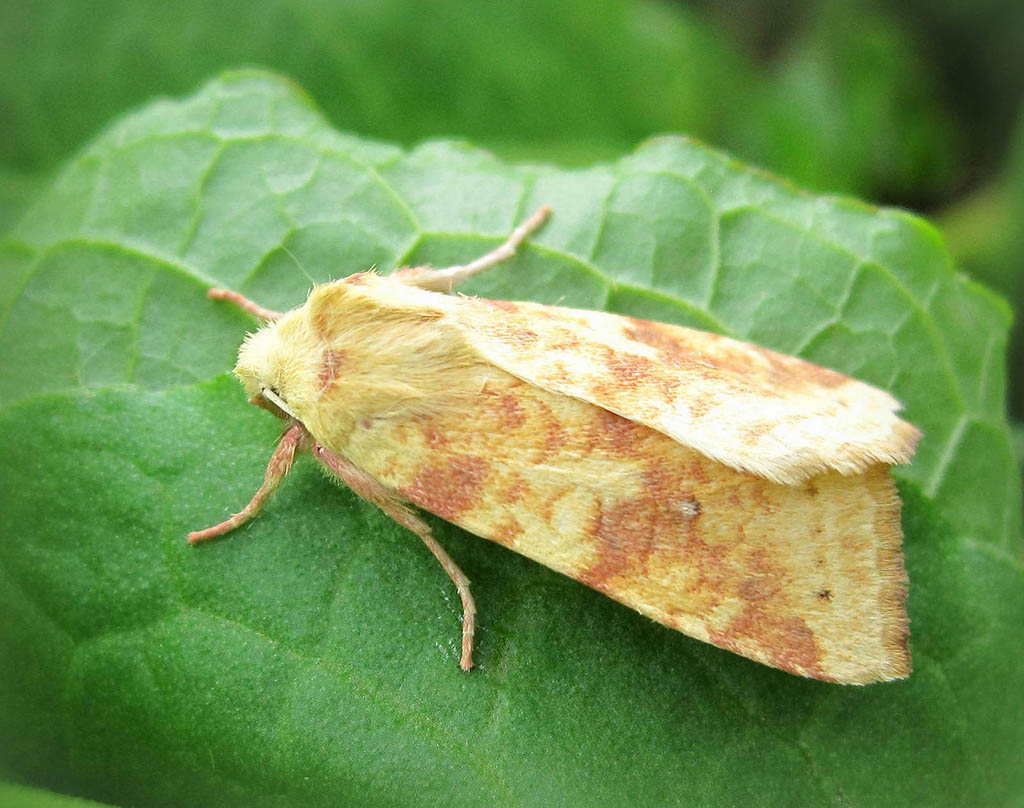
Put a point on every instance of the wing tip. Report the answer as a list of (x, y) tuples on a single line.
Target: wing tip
[(849, 458), (893, 659)]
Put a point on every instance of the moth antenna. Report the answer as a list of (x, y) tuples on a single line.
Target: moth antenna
[(443, 280), (298, 263), (244, 303), (278, 467), (372, 490)]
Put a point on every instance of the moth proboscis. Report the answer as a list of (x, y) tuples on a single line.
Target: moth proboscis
[(736, 494)]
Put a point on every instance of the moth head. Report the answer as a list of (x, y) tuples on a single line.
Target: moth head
[(271, 369)]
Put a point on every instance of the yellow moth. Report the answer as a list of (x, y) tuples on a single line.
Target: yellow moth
[(738, 495)]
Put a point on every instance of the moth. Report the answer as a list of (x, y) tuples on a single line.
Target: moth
[(736, 494)]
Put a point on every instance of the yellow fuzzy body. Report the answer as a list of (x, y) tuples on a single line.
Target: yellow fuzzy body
[(738, 495)]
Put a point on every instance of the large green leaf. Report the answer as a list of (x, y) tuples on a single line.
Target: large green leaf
[(311, 658), (15, 796)]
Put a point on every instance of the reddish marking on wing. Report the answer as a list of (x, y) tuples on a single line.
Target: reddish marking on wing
[(695, 473), (612, 432), (517, 490), (555, 371), (676, 352), (759, 500), (510, 332), (788, 641), (546, 508), (673, 493), (765, 579), (623, 536), (449, 489), (331, 362), (698, 407), (401, 433), (790, 372), (782, 371), (628, 369), (555, 437), (512, 414), (434, 438), (752, 434), (712, 571), (390, 466), (567, 342), (625, 372), (508, 532), (661, 518), (504, 305), (660, 338), (358, 278)]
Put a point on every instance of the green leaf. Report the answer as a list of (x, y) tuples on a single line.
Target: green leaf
[(311, 658), (14, 796)]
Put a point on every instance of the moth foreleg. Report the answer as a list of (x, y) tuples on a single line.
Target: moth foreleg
[(279, 466), (372, 490), (442, 280), (244, 303)]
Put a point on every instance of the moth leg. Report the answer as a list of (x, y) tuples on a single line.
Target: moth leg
[(372, 490), (240, 300), (442, 280), (280, 464)]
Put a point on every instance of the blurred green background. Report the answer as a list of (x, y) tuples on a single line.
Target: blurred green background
[(916, 104)]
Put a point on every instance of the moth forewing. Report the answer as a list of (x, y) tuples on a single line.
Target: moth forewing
[(748, 407), (738, 495), (807, 578)]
